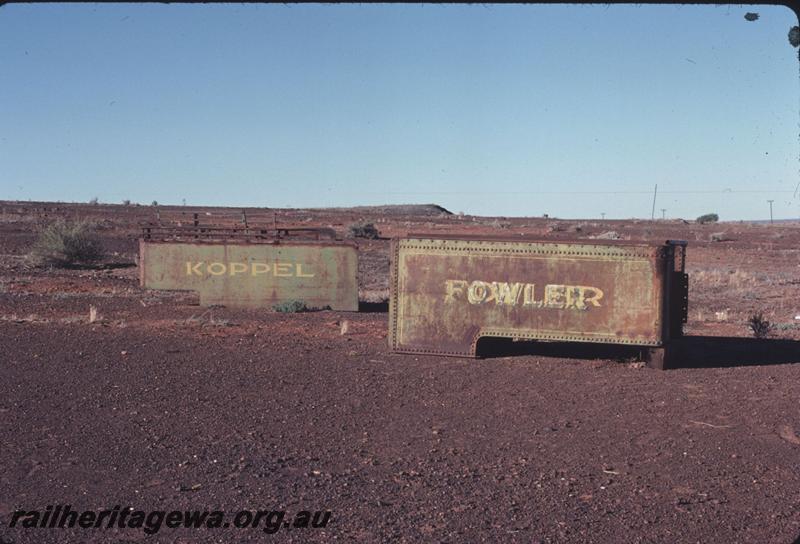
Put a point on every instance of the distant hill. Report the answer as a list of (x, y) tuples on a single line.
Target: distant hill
[(431, 210), (765, 221)]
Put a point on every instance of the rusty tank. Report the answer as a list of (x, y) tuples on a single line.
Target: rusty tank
[(447, 292), (245, 267)]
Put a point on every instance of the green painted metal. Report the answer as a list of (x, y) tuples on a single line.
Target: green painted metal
[(254, 275), (447, 292)]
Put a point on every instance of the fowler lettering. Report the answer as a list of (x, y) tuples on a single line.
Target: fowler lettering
[(576, 297), (282, 270)]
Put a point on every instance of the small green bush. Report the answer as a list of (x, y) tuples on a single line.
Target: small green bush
[(65, 243), (364, 230), (291, 307), (708, 218)]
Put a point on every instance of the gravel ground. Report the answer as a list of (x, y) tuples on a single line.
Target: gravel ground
[(163, 405)]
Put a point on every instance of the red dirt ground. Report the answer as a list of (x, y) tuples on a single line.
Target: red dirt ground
[(162, 404)]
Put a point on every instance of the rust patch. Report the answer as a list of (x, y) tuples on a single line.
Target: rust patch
[(447, 292)]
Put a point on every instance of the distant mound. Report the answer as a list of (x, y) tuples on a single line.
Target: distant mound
[(425, 210)]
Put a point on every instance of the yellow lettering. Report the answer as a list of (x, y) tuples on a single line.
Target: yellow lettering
[(477, 292), (557, 296), (492, 291), (216, 269), (258, 268), (508, 294), (283, 270), (300, 272), (575, 297), (554, 296), (597, 295), (191, 270), (529, 294), (453, 287), (238, 268)]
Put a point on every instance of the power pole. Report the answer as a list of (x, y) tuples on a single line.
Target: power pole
[(603, 215), (663, 213), (653, 211), (770, 210)]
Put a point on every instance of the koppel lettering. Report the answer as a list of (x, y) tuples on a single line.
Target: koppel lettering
[(278, 269)]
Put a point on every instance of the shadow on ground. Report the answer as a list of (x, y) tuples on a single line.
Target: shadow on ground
[(373, 307), (686, 352), (728, 351), (98, 266), (505, 347)]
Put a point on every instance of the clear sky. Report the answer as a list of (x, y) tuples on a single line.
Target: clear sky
[(508, 110)]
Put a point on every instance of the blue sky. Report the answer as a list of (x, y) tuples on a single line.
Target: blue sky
[(506, 110)]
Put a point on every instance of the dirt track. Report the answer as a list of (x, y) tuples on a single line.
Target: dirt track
[(161, 405)]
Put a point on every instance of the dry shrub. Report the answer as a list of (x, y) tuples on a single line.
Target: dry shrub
[(363, 230), (708, 218), (291, 307), (65, 243), (761, 327)]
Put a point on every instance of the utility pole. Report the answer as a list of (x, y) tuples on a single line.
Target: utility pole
[(653, 211), (770, 210), (663, 213), (603, 215)]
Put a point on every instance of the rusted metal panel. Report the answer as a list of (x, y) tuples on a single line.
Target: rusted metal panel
[(250, 233), (447, 292), (245, 274)]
